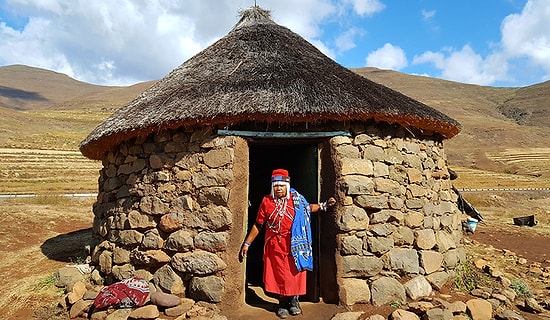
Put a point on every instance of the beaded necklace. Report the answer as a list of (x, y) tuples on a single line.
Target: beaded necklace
[(276, 217)]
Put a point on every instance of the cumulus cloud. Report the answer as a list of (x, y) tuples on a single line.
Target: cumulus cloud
[(303, 17), (110, 42), (465, 65), (122, 42), (428, 14), (126, 41), (525, 41), (346, 40), (366, 7), (387, 57), (527, 34)]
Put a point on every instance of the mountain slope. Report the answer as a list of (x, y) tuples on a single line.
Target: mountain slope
[(491, 139), (29, 88)]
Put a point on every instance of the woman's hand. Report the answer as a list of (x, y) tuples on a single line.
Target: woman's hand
[(323, 206), (243, 252)]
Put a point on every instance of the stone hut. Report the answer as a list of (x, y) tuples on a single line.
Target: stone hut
[(186, 163)]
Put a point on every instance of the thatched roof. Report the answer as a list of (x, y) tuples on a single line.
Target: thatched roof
[(261, 72)]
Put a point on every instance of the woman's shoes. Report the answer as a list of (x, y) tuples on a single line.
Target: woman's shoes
[(282, 313), (295, 306), (287, 308)]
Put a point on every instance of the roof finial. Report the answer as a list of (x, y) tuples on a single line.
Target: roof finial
[(255, 3)]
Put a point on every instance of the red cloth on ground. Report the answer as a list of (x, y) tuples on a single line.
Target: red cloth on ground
[(127, 293), (280, 273)]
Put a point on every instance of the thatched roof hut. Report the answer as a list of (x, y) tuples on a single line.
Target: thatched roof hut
[(186, 164), (261, 72)]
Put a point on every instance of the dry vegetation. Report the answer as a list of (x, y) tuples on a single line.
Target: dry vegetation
[(24, 171), (38, 236)]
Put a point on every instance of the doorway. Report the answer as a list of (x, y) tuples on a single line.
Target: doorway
[(302, 162)]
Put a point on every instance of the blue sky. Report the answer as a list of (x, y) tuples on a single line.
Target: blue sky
[(486, 42)]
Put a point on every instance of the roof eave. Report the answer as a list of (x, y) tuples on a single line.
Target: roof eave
[(96, 147)]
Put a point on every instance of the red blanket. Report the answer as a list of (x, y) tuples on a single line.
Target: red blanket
[(127, 293)]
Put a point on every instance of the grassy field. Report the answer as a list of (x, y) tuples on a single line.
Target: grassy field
[(37, 171), (482, 179)]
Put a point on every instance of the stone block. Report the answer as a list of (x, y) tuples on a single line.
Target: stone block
[(198, 263), (358, 185), (431, 261), (372, 202), (418, 287), (353, 218), (353, 291), (404, 260), (386, 290), (209, 289), (362, 266), (357, 166), (168, 280)]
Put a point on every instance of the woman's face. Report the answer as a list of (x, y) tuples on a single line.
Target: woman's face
[(279, 191)]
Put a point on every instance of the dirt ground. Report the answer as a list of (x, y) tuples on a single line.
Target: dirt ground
[(36, 240), (524, 241)]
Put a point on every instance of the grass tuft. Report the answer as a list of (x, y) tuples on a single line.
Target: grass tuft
[(469, 277), (45, 283), (521, 288)]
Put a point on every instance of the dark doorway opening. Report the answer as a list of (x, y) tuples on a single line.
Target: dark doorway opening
[(302, 162)]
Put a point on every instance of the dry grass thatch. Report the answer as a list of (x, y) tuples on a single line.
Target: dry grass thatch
[(261, 72)]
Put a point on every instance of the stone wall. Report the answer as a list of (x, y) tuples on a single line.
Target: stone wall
[(163, 212), (399, 231), (172, 209)]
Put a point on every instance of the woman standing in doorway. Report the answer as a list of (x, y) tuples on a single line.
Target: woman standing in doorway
[(287, 252)]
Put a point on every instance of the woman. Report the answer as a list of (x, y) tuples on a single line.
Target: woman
[(287, 252)]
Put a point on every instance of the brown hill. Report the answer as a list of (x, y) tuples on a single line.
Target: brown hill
[(29, 88), (505, 129)]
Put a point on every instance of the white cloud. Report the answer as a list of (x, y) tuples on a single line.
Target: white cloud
[(427, 15), (437, 58), (387, 57), (303, 17), (525, 42), (366, 7), (466, 65), (346, 40), (114, 42), (323, 48), (125, 41), (527, 34)]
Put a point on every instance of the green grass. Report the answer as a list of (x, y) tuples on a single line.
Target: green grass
[(521, 288), (469, 277), (45, 283)]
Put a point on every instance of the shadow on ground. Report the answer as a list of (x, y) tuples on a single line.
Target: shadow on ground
[(68, 247)]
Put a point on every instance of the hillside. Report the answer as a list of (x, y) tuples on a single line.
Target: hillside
[(493, 138), (28, 88), (505, 130)]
